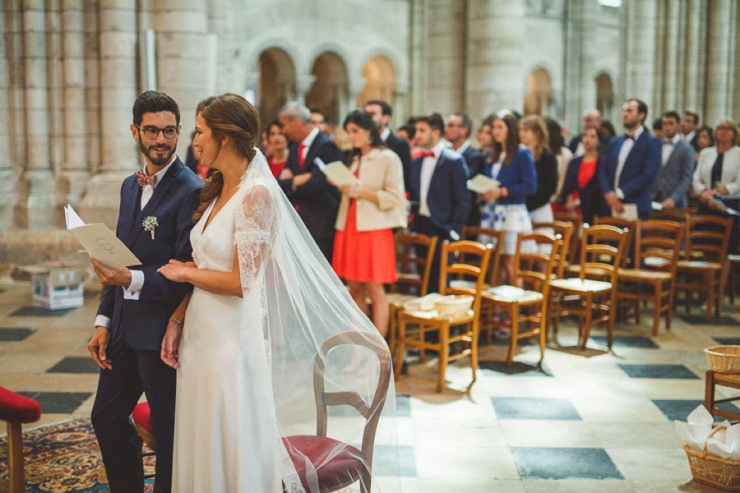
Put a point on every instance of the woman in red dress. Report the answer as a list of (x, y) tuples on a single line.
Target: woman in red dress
[(278, 147), (364, 253)]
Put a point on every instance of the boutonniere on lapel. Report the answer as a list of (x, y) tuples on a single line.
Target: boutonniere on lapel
[(150, 224)]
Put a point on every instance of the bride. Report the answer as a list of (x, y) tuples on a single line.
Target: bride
[(264, 301)]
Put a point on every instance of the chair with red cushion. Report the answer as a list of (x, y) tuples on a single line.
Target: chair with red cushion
[(142, 419), (349, 465), (15, 410)]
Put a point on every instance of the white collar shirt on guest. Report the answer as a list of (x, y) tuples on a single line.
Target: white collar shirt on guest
[(689, 137), (462, 148), (624, 151), (668, 146), (385, 134), (308, 141), (427, 170), (148, 190)]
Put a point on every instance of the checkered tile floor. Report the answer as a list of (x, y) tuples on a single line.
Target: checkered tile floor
[(587, 421)]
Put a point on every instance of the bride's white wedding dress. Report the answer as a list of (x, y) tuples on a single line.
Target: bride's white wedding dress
[(224, 421)]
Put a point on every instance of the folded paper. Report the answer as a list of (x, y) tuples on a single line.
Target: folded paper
[(99, 241)]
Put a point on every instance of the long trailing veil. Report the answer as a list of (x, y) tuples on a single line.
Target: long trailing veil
[(303, 304)]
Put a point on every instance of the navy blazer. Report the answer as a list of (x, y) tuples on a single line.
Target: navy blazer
[(519, 177), (476, 164), (448, 197), (317, 201), (141, 323), (638, 173), (401, 148)]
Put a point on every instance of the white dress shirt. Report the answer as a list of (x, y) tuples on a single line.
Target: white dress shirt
[(624, 151), (427, 170), (689, 137), (307, 143), (133, 290), (668, 146), (385, 134)]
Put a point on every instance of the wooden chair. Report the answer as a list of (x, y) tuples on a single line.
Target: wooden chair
[(657, 248), (595, 299), (16, 409), (575, 239), (413, 274), (714, 379), (487, 236), (349, 465), (142, 419), (564, 230), (705, 260), (464, 328), (629, 226), (533, 299), (733, 275)]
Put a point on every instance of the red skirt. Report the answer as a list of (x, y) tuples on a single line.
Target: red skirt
[(364, 256)]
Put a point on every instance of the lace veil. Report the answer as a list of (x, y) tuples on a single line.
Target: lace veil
[(303, 304)]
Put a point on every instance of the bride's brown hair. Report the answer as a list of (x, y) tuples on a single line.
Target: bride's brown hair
[(228, 115)]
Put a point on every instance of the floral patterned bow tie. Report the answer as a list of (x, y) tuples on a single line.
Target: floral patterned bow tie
[(145, 179)]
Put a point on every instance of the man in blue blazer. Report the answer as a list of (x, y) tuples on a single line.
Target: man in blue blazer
[(438, 192), (677, 166), (154, 222), (628, 167)]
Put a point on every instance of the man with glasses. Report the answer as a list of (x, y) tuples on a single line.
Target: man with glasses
[(154, 222), (457, 133)]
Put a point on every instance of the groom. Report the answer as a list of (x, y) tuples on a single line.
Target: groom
[(154, 222)]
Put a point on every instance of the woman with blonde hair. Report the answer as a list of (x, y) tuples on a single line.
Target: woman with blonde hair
[(533, 134)]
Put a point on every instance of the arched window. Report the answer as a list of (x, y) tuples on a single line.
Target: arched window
[(604, 95), (329, 90), (380, 81), (539, 93), (276, 85)]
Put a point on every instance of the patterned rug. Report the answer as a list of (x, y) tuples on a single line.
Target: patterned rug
[(63, 458)]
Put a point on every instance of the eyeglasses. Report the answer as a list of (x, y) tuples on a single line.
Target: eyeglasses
[(153, 132)]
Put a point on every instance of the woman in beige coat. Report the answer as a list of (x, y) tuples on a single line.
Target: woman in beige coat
[(364, 251)]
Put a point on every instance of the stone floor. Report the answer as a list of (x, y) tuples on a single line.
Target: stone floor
[(591, 421)]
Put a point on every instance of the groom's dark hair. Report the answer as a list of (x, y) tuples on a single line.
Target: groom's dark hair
[(154, 102)]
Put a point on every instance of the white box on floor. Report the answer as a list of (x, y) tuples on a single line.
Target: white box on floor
[(57, 288)]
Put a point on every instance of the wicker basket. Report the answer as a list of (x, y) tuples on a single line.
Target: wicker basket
[(453, 306), (714, 471), (723, 359)]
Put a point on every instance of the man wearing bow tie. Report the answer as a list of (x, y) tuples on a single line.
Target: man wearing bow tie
[(627, 169), (438, 191), (677, 165), (154, 222)]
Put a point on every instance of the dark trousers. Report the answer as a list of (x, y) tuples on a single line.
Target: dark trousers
[(119, 389), (425, 226)]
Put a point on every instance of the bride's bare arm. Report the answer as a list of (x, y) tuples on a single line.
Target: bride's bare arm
[(216, 282), (171, 341)]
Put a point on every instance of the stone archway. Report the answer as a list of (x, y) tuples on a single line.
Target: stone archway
[(380, 82), (276, 83), (538, 100), (604, 95), (329, 91)]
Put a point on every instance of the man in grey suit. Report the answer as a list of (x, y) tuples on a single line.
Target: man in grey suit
[(677, 164)]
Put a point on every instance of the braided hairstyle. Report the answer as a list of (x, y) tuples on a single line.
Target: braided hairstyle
[(227, 115)]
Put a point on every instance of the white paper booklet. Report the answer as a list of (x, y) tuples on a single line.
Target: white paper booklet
[(339, 174), (630, 212), (482, 183), (99, 241)]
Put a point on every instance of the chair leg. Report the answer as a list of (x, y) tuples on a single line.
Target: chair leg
[(610, 323), (657, 308), (400, 349), (444, 351), (392, 327), (709, 392), (513, 332), (474, 350), (543, 333), (710, 300), (16, 476), (587, 321)]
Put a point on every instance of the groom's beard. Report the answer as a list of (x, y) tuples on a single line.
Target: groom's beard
[(158, 154)]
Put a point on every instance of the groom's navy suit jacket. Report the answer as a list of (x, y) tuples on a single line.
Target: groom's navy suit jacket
[(141, 323)]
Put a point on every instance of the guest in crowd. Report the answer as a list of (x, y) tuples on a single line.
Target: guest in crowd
[(364, 254), (407, 132), (563, 155), (658, 128), (264, 143), (704, 139), (628, 166), (316, 202), (591, 118), (457, 133), (279, 145), (382, 112), (581, 193), (689, 125), (533, 134), (607, 130), (677, 166), (318, 118), (485, 139), (505, 207), (718, 173), (438, 190)]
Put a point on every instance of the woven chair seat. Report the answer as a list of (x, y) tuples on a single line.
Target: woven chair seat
[(581, 285)]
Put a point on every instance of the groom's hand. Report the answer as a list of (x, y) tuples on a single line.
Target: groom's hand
[(97, 345), (111, 276)]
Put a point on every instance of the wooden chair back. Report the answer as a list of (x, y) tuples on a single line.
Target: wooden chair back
[(658, 244), (474, 270), (413, 269), (534, 270), (487, 236), (625, 224), (563, 230), (602, 250), (708, 238), (575, 238)]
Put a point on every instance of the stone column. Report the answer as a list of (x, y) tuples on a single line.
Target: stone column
[(303, 83), (181, 29), (720, 60), (118, 89), (573, 103), (418, 61), (36, 187), (640, 52), (674, 12), (694, 59), (446, 54), (495, 75), (8, 177)]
